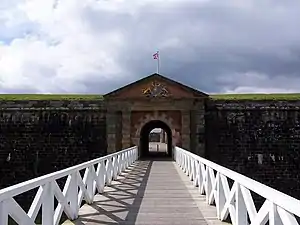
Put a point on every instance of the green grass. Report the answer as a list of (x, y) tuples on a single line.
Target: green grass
[(9, 97), (276, 97)]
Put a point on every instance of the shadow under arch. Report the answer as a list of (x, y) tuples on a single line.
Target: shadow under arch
[(144, 138)]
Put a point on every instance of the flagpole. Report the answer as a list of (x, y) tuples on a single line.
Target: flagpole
[(158, 56)]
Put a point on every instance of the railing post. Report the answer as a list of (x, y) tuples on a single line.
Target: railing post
[(134, 157), (89, 185), (188, 171), (196, 175), (131, 157), (221, 199), (192, 166), (240, 207), (121, 163), (108, 171), (48, 205), (101, 176), (136, 153), (126, 160), (73, 195), (207, 184), (201, 178), (179, 157), (3, 214), (184, 164), (273, 215), (115, 167)]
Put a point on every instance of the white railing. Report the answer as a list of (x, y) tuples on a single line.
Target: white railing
[(75, 190), (237, 202)]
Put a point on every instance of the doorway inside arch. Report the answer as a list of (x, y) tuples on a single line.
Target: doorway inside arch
[(151, 146)]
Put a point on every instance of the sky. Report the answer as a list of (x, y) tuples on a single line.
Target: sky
[(96, 46)]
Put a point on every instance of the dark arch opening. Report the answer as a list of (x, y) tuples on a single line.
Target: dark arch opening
[(144, 139)]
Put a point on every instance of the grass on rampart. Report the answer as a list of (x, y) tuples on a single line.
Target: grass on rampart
[(11, 97), (256, 97)]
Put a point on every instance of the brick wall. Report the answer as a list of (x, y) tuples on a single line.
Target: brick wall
[(258, 139), (38, 138)]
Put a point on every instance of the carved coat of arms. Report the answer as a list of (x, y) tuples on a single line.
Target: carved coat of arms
[(156, 90)]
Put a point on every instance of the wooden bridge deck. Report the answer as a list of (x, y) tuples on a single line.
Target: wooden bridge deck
[(149, 193)]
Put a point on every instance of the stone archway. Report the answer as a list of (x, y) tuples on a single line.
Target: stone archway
[(144, 150), (174, 127)]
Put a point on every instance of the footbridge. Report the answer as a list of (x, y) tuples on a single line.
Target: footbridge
[(120, 188)]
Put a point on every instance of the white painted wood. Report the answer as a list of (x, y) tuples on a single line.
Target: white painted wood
[(109, 171), (236, 202), (210, 178), (274, 216), (3, 213), (101, 177), (36, 204), (69, 199), (17, 213), (115, 167), (62, 198), (90, 184), (241, 210), (48, 204), (73, 195), (221, 199)]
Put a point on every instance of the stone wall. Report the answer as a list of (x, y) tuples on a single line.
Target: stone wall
[(40, 137), (258, 139)]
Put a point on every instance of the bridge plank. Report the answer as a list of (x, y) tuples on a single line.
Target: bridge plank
[(150, 192)]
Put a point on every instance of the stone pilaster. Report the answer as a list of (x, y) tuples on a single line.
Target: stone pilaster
[(194, 141), (111, 119), (126, 125), (200, 132), (185, 129)]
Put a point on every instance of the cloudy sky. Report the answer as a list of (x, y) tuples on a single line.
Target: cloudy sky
[(94, 46)]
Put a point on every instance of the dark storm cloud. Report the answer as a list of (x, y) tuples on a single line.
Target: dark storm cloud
[(202, 42)]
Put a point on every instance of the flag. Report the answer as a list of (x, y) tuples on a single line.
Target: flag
[(155, 55)]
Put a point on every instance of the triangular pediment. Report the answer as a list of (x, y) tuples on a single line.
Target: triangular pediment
[(155, 86)]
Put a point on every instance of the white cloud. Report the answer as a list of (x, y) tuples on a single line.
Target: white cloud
[(61, 52), (55, 46)]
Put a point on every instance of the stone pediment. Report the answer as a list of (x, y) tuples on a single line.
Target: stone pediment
[(155, 86)]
